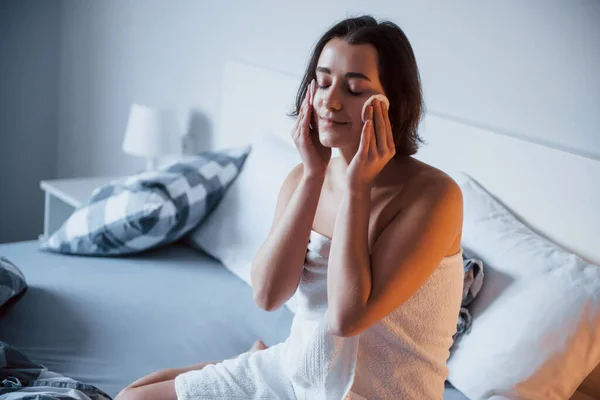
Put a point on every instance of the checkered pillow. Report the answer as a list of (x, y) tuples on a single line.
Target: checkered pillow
[(12, 281), (150, 209)]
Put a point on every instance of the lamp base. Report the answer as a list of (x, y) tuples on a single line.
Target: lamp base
[(151, 163)]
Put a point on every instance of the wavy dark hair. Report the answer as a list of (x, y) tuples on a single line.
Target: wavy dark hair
[(398, 74)]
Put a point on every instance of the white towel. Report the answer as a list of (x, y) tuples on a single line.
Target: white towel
[(319, 365), (312, 364), (403, 356)]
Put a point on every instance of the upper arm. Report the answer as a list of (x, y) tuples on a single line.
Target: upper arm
[(288, 187), (410, 248), (286, 191)]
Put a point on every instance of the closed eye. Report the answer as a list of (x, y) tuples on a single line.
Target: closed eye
[(348, 89)]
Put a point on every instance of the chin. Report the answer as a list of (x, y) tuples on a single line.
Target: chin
[(335, 138)]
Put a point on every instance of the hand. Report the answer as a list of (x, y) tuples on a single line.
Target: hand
[(315, 156), (376, 148)]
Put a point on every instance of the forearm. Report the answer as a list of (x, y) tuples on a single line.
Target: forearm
[(278, 264), (349, 278)]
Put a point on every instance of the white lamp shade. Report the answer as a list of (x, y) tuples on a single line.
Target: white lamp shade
[(152, 132)]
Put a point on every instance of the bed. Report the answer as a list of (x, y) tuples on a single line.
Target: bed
[(108, 321)]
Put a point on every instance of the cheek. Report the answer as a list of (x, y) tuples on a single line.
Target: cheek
[(356, 111), (317, 99), (357, 129), (314, 116)]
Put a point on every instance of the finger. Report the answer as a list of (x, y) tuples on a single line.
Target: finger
[(312, 117), (373, 151), (369, 113), (311, 89), (380, 128), (306, 122), (311, 94), (363, 147), (390, 134), (366, 131), (301, 122), (298, 121), (303, 108), (369, 131)]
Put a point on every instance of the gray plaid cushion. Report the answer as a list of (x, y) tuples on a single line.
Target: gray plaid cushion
[(150, 209), (12, 281)]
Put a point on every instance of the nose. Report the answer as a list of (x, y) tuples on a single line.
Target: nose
[(331, 99)]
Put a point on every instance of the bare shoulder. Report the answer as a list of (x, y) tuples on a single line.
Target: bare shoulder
[(440, 185), (437, 197), (295, 174), (290, 184), (418, 198), (430, 185), (286, 191)]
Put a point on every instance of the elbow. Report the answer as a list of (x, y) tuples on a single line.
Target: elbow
[(262, 297), (342, 326), (269, 294), (265, 301)]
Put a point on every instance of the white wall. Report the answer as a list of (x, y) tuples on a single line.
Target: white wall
[(29, 59), (527, 68)]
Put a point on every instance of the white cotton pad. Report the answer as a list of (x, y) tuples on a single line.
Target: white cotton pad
[(379, 97)]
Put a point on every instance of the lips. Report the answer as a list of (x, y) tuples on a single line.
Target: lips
[(329, 121)]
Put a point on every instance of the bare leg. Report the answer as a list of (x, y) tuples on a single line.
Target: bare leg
[(164, 390), (172, 373)]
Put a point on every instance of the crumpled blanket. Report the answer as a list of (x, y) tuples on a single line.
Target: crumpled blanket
[(20, 378), (473, 281)]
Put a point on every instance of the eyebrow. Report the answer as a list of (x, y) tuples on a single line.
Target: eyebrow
[(348, 75)]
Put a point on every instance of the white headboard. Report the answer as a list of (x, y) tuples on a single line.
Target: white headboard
[(255, 101), (555, 192)]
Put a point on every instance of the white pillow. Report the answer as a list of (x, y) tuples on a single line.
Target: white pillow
[(536, 321), (240, 224)]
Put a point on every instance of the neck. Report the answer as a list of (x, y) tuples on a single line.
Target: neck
[(346, 155), (341, 166)]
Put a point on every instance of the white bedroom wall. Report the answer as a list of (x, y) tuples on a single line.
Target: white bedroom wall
[(527, 68)]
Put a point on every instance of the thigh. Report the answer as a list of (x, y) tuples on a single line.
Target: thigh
[(256, 375), (155, 391)]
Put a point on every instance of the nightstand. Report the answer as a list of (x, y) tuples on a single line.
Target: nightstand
[(64, 196)]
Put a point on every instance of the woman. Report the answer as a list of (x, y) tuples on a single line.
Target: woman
[(378, 302)]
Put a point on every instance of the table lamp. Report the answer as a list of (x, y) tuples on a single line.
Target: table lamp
[(151, 133)]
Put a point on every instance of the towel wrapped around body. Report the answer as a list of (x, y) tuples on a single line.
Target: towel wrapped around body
[(401, 357)]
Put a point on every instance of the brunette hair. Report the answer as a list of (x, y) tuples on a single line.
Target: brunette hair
[(398, 74)]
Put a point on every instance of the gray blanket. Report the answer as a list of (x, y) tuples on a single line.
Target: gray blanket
[(473, 281), (22, 379)]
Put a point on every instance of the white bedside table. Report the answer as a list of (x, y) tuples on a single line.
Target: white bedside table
[(64, 196)]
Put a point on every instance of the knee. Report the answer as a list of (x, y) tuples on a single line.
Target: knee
[(128, 394)]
